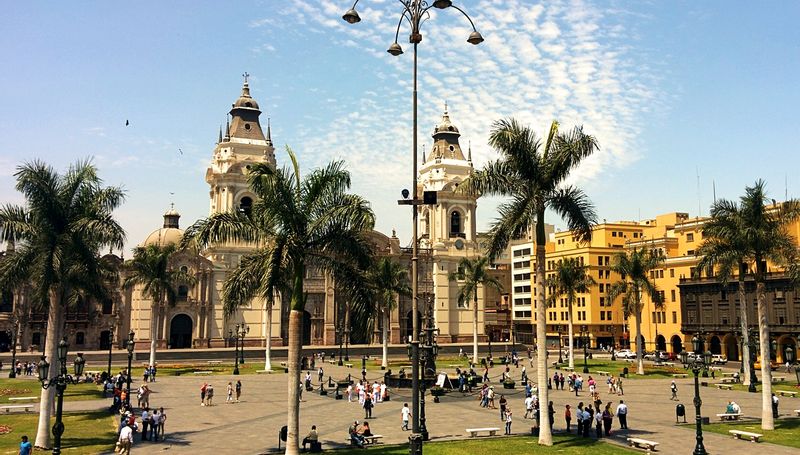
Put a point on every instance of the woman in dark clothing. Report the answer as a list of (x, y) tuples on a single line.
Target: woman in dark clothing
[(608, 418)]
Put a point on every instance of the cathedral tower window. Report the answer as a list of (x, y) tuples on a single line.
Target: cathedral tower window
[(246, 205), (183, 293), (456, 228)]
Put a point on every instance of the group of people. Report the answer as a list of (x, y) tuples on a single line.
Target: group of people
[(152, 427), (149, 374), (358, 432)]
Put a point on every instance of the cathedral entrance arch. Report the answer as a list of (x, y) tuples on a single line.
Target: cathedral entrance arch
[(180, 332), (677, 345), (715, 346)]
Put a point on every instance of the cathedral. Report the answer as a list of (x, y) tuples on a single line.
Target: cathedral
[(197, 320)]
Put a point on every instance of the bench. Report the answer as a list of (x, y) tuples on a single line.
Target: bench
[(214, 362), (604, 373), (283, 364), (728, 374), (473, 432), (728, 380), (714, 368), (680, 375), (727, 416), (23, 398), (203, 373), (348, 365), (725, 386), (778, 379), (569, 369), (737, 434), (374, 439), (783, 393), (797, 411), (25, 407), (642, 444)]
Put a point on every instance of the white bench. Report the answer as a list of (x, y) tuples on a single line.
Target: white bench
[(348, 365), (729, 374), (797, 411), (23, 398), (604, 373), (669, 364), (727, 416), (214, 362), (202, 373), (25, 407), (680, 375), (569, 369), (737, 434), (473, 432), (642, 443), (783, 393), (728, 380), (778, 379), (374, 439), (725, 386)]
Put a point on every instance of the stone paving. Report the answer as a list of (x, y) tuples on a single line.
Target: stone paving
[(251, 427)]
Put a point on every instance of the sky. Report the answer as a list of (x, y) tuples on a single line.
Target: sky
[(686, 99)]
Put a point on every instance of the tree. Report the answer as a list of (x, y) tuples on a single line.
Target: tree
[(533, 174), (152, 267), (474, 274), (389, 280), (748, 235), (570, 278), (65, 222), (634, 268), (294, 224)]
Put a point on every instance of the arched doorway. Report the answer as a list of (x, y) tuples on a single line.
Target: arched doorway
[(180, 332), (677, 344), (731, 348), (410, 323), (715, 346), (105, 339), (306, 328), (661, 343)]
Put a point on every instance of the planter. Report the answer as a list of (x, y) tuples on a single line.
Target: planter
[(437, 392), (342, 384), (509, 385)]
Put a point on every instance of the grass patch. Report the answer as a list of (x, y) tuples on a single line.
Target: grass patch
[(84, 433), (10, 388), (787, 386), (785, 433), (616, 368), (563, 445)]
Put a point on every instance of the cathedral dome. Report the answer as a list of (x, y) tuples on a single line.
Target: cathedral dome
[(445, 126), (245, 101), (169, 234)]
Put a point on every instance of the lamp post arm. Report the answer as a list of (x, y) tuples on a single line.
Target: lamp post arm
[(467, 16)]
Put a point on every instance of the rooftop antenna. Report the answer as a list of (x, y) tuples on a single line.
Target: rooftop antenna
[(714, 189)]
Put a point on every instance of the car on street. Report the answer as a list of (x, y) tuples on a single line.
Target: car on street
[(719, 359), (656, 356), (626, 354)]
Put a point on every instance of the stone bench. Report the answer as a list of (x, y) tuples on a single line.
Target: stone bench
[(348, 365), (23, 398), (680, 375), (727, 416), (25, 407), (738, 434), (725, 386), (728, 380), (214, 362), (473, 432), (202, 373), (783, 393), (374, 439), (778, 379), (643, 444), (729, 374), (568, 369), (604, 373)]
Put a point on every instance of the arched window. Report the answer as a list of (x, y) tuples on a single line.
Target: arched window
[(246, 205), (80, 338), (183, 293), (456, 229)]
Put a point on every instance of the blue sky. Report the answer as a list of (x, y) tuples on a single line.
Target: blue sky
[(670, 89)]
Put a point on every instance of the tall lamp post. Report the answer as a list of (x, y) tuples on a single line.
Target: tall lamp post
[(131, 346), (235, 338), (242, 330), (753, 345), (60, 382), (585, 341), (428, 353), (111, 330), (12, 333), (613, 330), (559, 330), (700, 361), (340, 331), (415, 12)]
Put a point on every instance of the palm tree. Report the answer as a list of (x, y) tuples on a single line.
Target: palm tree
[(532, 173), (570, 278), (634, 268), (749, 234), (65, 222), (474, 274), (295, 224), (152, 267), (389, 279)]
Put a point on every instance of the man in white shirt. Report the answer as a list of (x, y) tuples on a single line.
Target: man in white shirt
[(529, 406), (622, 415), (125, 440), (145, 423), (406, 413)]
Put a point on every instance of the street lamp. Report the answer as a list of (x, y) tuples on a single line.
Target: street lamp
[(560, 358), (415, 12), (242, 330), (697, 363), (131, 346), (753, 344), (585, 341), (60, 381), (428, 353), (340, 331), (12, 333), (613, 329), (235, 351), (111, 329)]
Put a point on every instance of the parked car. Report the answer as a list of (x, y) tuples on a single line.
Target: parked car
[(626, 354), (772, 365), (718, 359), (656, 356)]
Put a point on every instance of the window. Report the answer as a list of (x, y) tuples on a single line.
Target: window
[(690, 237), (602, 315), (672, 295), (614, 234), (455, 224), (672, 273), (602, 301), (608, 315), (246, 205), (600, 274), (6, 302), (183, 293), (108, 306), (80, 338), (602, 287), (36, 338), (599, 260)]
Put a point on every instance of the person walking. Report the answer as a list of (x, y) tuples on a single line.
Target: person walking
[(406, 415), (155, 420), (229, 394), (146, 422), (320, 373), (598, 423), (579, 418), (528, 407), (622, 415), (508, 421), (608, 418), (774, 406), (674, 389), (203, 391), (209, 395), (25, 447), (368, 407), (490, 396), (162, 420), (238, 390), (503, 403), (125, 440), (568, 418)]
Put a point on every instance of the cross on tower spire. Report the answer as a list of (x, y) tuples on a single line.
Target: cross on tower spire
[(245, 76)]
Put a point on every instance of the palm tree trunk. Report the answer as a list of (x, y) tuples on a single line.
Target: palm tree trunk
[(55, 324), (745, 354), (545, 431), (268, 348), (293, 362), (767, 421), (154, 319), (385, 334), (639, 343), (475, 327), (571, 334)]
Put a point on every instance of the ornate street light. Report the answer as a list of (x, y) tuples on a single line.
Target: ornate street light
[(340, 331), (111, 330), (12, 333), (753, 344), (235, 339), (242, 330), (700, 361), (415, 12), (131, 346), (613, 329), (560, 357), (585, 341), (60, 381)]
